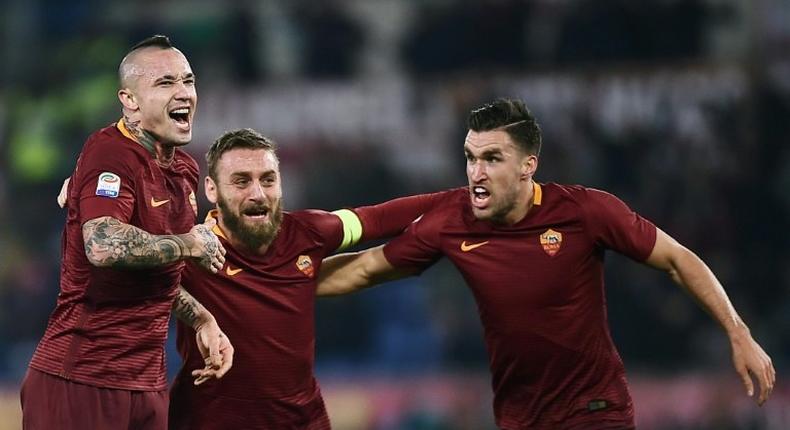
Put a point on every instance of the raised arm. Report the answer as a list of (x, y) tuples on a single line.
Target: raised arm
[(349, 272), (387, 219), (111, 243), (214, 345), (690, 272)]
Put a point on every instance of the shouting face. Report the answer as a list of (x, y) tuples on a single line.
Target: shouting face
[(159, 92), (500, 176), (247, 193)]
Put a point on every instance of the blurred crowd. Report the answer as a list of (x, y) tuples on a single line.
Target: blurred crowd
[(681, 108)]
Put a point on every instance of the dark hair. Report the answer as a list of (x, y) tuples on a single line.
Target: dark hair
[(242, 138), (512, 117), (157, 40)]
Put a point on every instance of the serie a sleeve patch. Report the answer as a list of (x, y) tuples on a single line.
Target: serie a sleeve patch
[(109, 185)]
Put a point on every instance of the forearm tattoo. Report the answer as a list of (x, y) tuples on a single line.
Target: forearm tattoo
[(187, 308), (109, 242)]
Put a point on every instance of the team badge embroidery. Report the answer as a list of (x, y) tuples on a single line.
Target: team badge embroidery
[(551, 241), (305, 265), (193, 201), (109, 185)]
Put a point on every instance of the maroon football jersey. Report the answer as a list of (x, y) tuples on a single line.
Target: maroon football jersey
[(538, 285), (109, 326), (265, 304)]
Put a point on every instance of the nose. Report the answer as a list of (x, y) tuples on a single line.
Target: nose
[(477, 172), (256, 192), (184, 91)]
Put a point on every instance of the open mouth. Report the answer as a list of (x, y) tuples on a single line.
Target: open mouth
[(181, 117), (256, 213), (480, 196)]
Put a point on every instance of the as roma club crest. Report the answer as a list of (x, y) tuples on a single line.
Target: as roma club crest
[(305, 265), (551, 241)]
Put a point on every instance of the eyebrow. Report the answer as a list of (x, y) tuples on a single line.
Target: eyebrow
[(174, 78), (247, 173), (486, 153)]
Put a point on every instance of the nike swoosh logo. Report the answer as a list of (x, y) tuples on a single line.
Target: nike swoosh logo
[(157, 203), (232, 272), (467, 248)]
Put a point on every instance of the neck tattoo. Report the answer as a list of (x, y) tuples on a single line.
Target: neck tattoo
[(163, 154)]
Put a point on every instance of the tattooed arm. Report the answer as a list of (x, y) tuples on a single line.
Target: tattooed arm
[(214, 346), (111, 243)]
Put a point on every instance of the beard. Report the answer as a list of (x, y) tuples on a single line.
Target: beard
[(253, 236)]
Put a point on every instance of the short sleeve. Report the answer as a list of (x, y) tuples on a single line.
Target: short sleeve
[(326, 226), (419, 246), (615, 226), (106, 182)]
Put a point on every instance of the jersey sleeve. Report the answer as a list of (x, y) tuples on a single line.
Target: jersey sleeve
[(106, 182), (615, 226), (419, 246), (325, 225), (392, 217)]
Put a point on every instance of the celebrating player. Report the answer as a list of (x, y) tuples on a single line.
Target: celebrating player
[(266, 291), (130, 226), (533, 256)]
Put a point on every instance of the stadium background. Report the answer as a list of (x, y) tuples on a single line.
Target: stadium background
[(682, 108)]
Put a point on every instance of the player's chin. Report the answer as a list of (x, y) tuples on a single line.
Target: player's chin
[(181, 138), (483, 214)]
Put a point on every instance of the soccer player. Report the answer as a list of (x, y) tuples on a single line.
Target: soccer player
[(130, 226), (533, 256), (265, 293)]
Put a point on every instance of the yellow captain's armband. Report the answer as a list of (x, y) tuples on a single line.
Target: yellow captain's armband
[(352, 228)]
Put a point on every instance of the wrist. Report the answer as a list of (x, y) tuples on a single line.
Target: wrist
[(738, 332), (183, 245), (203, 319)]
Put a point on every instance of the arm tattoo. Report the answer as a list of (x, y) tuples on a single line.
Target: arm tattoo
[(111, 243), (187, 308)]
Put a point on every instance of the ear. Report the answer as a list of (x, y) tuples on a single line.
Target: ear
[(211, 190), (529, 165), (128, 99)]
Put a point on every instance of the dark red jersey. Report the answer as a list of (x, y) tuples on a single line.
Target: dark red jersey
[(109, 326), (539, 291), (266, 306)]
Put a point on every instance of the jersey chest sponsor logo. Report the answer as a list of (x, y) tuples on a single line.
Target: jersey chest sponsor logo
[(109, 185), (305, 265), (551, 241)]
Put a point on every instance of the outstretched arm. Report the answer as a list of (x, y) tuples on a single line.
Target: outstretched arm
[(690, 272), (111, 243), (349, 272), (214, 345)]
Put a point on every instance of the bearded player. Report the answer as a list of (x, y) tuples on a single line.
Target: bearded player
[(265, 293)]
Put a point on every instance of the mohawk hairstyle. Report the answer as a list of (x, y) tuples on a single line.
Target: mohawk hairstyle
[(241, 138), (127, 67), (157, 40), (511, 116)]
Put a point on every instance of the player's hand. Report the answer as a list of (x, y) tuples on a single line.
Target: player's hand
[(216, 350), (63, 196), (750, 360), (204, 246)]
